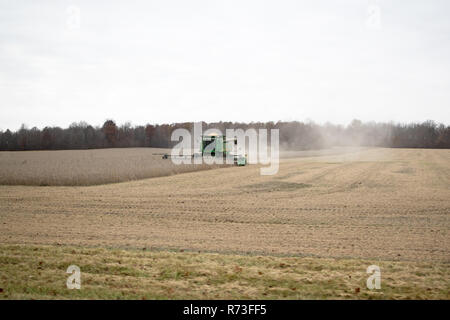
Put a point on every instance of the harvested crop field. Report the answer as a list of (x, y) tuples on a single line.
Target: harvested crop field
[(377, 205)]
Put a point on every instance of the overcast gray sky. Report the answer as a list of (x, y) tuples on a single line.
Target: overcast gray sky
[(173, 60)]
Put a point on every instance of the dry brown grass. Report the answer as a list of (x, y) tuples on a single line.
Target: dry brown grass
[(86, 167), (39, 272)]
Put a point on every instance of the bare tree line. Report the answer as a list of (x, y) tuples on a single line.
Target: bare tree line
[(294, 135)]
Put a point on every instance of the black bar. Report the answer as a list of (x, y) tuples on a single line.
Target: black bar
[(228, 309)]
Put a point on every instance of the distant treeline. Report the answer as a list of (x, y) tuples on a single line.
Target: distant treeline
[(293, 135)]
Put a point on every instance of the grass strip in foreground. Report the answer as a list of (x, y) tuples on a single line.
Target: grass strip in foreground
[(39, 272)]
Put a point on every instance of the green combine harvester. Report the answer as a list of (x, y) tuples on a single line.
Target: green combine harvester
[(221, 145)]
